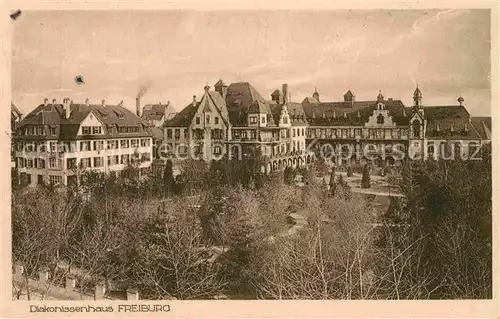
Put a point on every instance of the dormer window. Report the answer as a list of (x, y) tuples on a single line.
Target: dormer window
[(263, 119), (253, 120)]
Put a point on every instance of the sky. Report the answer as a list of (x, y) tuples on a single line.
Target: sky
[(172, 55)]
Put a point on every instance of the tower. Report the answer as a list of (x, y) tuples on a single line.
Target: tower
[(417, 98), (316, 94), (221, 87)]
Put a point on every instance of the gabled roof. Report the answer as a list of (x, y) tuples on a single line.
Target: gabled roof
[(154, 112), (482, 126), (15, 113), (184, 117), (295, 111), (357, 112), (240, 96), (210, 99), (259, 107), (310, 100)]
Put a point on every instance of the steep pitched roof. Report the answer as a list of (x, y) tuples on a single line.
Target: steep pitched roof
[(210, 99), (184, 117), (450, 122), (310, 100), (15, 113), (295, 111), (240, 96), (482, 126), (357, 112), (154, 112)]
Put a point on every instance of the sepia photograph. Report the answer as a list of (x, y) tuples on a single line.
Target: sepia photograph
[(251, 155)]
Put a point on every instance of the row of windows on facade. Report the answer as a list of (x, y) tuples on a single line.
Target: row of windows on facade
[(53, 179), (448, 148), (83, 145), (38, 130), (86, 162), (357, 132), (197, 133), (388, 148), (207, 119), (237, 133)]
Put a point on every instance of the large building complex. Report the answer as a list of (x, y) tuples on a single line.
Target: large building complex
[(235, 118), (56, 141), (236, 121)]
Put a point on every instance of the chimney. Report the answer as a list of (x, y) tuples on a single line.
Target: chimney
[(284, 90), (206, 88), (54, 101), (87, 101), (194, 100), (103, 103), (66, 107), (132, 294), (121, 103), (45, 102), (138, 106)]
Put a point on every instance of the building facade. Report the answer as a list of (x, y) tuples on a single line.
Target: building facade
[(56, 141), (236, 120)]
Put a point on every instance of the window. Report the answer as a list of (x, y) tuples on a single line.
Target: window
[(28, 179), (52, 162), (124, 159), (124, 143), (380, 119), (430, 148), (98, 162), (134, 143), (96, 130), (293, 132), (84, 146), (53, 130), (86, 130), (41, 163), (112, 144), (217, 150), (39, 130), (86, 162), (236, 134), (197, 120), (216, 120), (302, 132), (54, 179), (144, 142), (285, 120), (177, 134), (207, 118), (169, 133), (416, 128), (30, 130), (253, 120), (243, 134), (263, 120), (71, 163), (52, 146), (98, 145), (253, 134)]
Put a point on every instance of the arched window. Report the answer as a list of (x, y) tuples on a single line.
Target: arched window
[(380, 119), (416, 128)]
